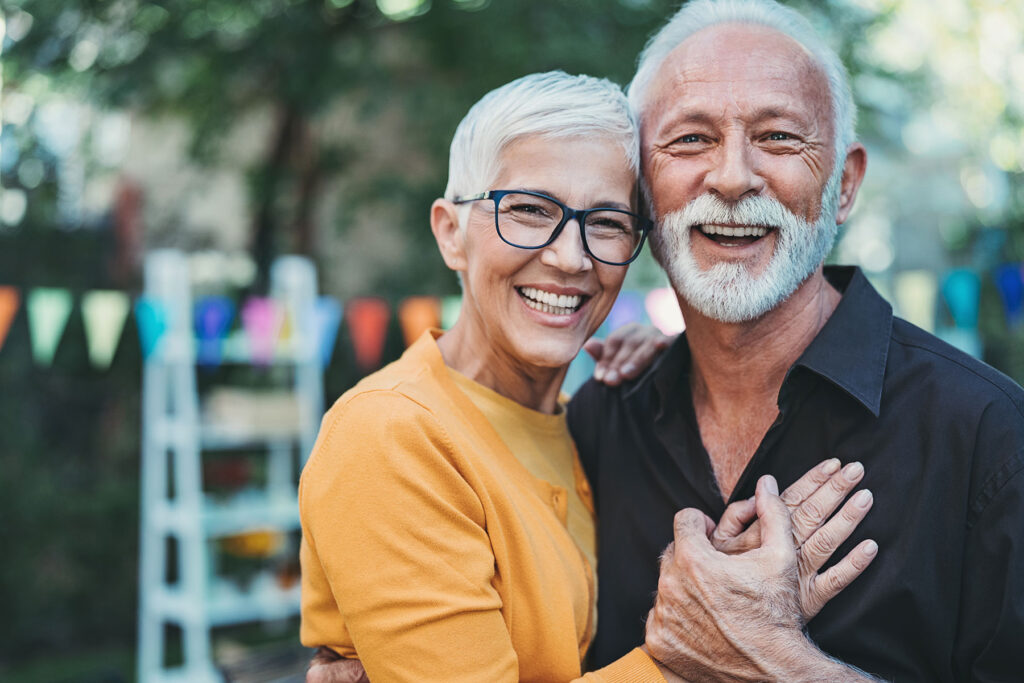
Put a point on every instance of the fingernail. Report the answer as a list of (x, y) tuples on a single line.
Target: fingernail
[(831, 466), (612, 376), (628, 369), (853, 471), (862, 498), (599, 373), (770, 485), (870, 548)]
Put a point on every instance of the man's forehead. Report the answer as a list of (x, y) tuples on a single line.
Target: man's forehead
[(746, 58)]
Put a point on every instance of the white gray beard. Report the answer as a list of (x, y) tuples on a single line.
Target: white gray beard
[(728, 292)]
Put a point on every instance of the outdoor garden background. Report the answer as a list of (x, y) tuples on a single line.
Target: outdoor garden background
[(240, 130)]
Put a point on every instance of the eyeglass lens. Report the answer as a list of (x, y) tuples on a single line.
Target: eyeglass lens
[(527, 221)]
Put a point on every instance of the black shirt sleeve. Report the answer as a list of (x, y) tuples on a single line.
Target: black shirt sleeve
[(990, 631)]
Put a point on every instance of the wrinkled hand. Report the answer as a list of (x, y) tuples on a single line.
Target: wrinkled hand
[(327, 666), (626, 352), (811, 500), (735, 617)]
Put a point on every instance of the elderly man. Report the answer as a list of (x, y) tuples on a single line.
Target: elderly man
[(750, 164)]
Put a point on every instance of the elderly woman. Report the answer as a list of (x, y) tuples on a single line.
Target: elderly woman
[(448, 532)]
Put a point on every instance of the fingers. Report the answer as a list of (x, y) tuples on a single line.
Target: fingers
[(803, 487), (812, 512), (734, 522), (338, 671), (823, 542), (628, 351), (829, 584), (609, 349), (595, 347), (693, 526), (776, 529)]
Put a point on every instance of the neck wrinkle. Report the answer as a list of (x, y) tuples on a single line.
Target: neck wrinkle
[(467, 350)]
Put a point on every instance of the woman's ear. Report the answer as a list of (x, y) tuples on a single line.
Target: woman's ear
[(444, 222)]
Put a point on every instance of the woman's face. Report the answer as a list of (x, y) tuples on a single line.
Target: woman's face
[(503, 284)]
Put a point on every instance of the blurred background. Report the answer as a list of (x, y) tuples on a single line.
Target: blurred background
[(225, 134)]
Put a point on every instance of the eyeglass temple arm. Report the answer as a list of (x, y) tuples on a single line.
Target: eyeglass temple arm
[(471, 198)]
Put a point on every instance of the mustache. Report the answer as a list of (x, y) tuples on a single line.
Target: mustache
[(755, 211)]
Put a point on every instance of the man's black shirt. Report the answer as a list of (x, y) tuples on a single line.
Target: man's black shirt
[(941, 436)]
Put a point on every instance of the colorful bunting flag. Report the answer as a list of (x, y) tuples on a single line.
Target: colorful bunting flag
[(261, 319), (151, 319), (328, 320), (915, 297), (213, 316), (450, 307), (962, 290), (663, 309), (103, 313), (48, 311), (287, 327), (417, 314), (1010, 283), (367, 319), (10, 300)]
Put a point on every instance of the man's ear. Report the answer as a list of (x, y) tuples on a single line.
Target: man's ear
[(853, 173), (444, 222)]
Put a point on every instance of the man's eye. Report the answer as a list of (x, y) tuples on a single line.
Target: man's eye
[(692, 137), (779, 136)]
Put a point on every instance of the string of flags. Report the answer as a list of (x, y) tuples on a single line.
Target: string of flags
[(259, 330)]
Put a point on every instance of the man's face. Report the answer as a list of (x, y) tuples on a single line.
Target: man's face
[(738, 149)]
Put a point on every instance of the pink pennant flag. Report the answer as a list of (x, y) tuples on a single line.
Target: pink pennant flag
[(261, 319), (663, 310)]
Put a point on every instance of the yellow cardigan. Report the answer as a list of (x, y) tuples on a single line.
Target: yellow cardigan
[(428, 550)]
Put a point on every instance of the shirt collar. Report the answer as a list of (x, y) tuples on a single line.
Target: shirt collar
[(852, 348), (850, 351)]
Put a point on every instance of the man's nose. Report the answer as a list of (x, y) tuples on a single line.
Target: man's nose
[(567, 253), (733, 175)]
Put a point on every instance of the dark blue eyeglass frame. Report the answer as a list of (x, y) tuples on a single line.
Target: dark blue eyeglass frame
[(568, 213)]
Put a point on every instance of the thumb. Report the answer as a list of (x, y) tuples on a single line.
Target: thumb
[(595, 347), (776, 527), (691, 523)]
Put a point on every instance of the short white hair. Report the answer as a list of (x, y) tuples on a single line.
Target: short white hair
[(553, 105), (697, 15)]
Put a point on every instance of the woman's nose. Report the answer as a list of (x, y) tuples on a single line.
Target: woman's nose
[(567, 252)]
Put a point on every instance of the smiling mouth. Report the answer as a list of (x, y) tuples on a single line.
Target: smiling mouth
[(551, 303), (733, 235)]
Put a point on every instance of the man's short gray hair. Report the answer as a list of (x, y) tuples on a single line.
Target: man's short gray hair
[(700, 14), (552, 104)]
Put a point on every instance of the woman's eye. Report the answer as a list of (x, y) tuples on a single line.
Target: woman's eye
[(779, 136), (692, 137)]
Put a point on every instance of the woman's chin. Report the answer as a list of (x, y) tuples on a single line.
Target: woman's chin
[(550, 352)]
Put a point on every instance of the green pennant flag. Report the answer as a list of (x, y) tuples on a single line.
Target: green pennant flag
[(48, 311), (104, 314)]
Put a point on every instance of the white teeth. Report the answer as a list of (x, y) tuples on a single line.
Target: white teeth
[(730, 231), (549, 302)]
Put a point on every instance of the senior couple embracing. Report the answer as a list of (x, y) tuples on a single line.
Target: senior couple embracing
[(462, 523)]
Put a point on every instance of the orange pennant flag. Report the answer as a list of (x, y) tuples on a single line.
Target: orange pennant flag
[(418, 314), (9, 302), (368, 325)]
